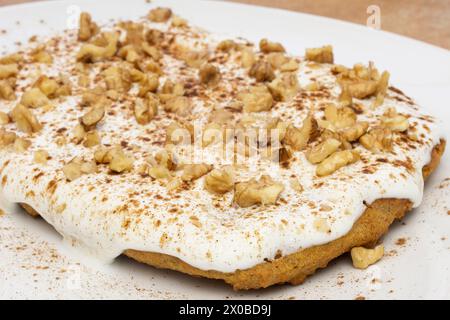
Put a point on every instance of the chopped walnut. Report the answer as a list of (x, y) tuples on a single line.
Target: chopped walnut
[(88, 28), (363, 258), (289, 66), (394, 121), (193, 58), (159, 172), (154, 37), (160, 14), (192, 172), (220, 181), (93, 53), (221, 116), (362, 82), (6, 137), (340, 117), (93, 96), (179, 133), (72, 171), (262, 71), (284, 87), (7, 89), (178, 105), (93, 116), (129, 53), (41, 156), (212, 133), (41, 55), (21, 145), (227, 45), (256, 99), (299, 138), (116, 158), (336, 161), (265, 191), (320, 55), (354, 132), (170, 90), (320, 152), (377, 140), (267, 46), (382, 87), (12, 58), (8, 70), (149, 83), (25, 120), (78, 134), (34, 98), (296, 185), (117, 78), (166, 159), (178, 22), (4, 118), (277, 59), (209, 74), (146, 109), (92, 139), (247, 58)]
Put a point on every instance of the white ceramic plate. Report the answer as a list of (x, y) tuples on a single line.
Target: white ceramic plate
[(34, 263)]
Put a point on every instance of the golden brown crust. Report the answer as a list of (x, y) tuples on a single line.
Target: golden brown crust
[(294, 268)]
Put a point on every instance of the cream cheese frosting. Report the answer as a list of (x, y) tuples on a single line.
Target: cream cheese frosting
[(110, 213)]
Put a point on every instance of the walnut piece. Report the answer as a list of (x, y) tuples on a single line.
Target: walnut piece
[(21, 145), (264, 191), (93, 53), (262, 71), (116, 158), (320, 55), (25, 120), (363, 258), (92, 139), (160, 14), (227, 45), (320, 152), (179, 133), (179, 105), (354, 132), (256, 99), (192, 172), (336, 161), (212, 133), (247, 58), (93, 116), (41, 55), (8, 70), (284, 87), (41, 156), (377, 140), (117, 79), (4, 118), (77, 167), (34, 98), (146, 109), (209, 74), (220, 181), (88, 28), (78, 134), (7, 89), (299, 138), (6, 138), (267, 46), (339, 117), (394, 121)]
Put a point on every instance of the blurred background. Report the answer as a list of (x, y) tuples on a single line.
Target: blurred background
[(426, 20)]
